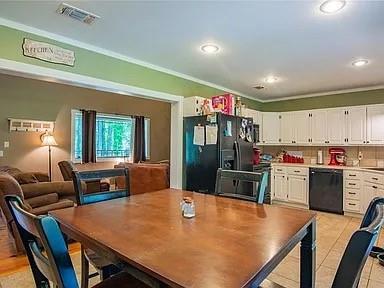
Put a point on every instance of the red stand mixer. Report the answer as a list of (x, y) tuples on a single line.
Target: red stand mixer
[(338, 157)]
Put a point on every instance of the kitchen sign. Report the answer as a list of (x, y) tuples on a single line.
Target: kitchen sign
[(48, 52)]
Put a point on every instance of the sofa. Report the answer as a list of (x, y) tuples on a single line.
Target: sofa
[(144, 177), (39, 195)]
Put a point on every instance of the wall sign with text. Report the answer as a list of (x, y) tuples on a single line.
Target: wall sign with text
[(48, 52)]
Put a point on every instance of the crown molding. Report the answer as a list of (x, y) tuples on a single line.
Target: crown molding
[(334, 92), (106, 52)]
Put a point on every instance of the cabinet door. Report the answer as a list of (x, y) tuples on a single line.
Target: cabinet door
[(302, 125), (336, 126), (375, 125), (319, 126), (280, 187), (287, 128), (271, 128), (297, 189), (369, 192), (356, 125)]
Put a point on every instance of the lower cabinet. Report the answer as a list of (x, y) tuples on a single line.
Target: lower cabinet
[(297, 189), (291, 185), (360, 188)]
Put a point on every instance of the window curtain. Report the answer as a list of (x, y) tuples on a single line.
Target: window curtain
[(89, 136), (139, 145)]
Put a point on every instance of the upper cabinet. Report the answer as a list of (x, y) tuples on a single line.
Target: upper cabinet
[(255, 115), (318, 126), (375, 124), (356, 125), (336, 126), (270, 128)]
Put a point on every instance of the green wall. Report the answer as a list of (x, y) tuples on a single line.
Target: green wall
[(108, 68), (104, 67), (329, 101)]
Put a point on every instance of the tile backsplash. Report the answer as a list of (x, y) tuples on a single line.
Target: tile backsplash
[(372, 155)]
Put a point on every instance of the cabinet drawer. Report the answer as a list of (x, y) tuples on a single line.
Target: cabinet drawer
[(353, 175), (352, 205), (374, 178), (352, 184), (297, 171), (280, 170), (353, 194)]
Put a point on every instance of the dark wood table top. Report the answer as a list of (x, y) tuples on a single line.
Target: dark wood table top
[(227, 244)]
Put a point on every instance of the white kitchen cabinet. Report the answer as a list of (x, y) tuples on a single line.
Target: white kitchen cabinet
[(336, 126), (270, 128), (280, 187), (302, 124), (319, 126), (288, 128), (356, 125), (254, 114), (297, 189), (375, 124), (370, 191)]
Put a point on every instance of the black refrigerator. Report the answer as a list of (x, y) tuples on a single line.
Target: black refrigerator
[(233, 150)]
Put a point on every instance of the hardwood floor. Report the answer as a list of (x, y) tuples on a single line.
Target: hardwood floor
[(9, 262)]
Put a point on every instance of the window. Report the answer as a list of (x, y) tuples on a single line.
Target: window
[(114, 137)]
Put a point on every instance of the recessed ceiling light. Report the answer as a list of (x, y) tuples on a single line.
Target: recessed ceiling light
[(271, 79), (210, 48), (360, 62), (332, 6)]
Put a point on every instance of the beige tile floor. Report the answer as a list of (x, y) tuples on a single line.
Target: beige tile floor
[(333, 233)]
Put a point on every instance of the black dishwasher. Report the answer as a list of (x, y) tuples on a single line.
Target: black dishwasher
[(326, 190)]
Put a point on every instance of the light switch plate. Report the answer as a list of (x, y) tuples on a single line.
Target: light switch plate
[(1, 153), (6, 144)]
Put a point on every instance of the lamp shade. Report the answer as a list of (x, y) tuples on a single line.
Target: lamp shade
[(48, 140)]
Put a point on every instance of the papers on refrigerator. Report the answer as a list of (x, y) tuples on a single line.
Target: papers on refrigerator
[(210, 134), (198, 135)]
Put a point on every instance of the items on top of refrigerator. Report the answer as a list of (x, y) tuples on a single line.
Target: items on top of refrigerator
[(224, 103)]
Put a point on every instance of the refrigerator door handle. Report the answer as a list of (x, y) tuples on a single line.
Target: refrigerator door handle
[(237, 155)]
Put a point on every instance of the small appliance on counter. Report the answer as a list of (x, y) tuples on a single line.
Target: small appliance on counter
[(293, 157), (320, 158), (256, 156), (337, 157)]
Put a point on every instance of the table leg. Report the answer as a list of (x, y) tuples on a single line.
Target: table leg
[(308, 257)]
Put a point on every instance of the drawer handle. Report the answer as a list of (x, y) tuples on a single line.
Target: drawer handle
[(352, 193), (374, 187), (351, 204), (352, 184), (375, 178), (296, 171), (352, 175)]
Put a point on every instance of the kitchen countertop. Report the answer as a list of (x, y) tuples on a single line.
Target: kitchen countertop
[(308, 165)]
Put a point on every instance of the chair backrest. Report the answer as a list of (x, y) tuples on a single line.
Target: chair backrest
[(261, 179), (358, 248), (86, 198), (66, 168), (55, 264)]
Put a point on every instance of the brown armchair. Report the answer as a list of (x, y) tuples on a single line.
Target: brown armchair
[(40, 198), (93, 186)]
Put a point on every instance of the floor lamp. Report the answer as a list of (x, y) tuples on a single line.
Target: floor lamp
[(48, 140)]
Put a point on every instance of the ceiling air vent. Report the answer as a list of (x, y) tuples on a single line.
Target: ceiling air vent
[(76, 13)]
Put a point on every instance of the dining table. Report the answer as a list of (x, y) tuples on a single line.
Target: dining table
[(229, 243)]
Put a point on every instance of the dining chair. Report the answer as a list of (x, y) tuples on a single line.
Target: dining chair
[(357, 251), (104, 267), (260, 181), (48, 255)]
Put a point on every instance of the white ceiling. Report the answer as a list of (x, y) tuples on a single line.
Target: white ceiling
[(311, 52)]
